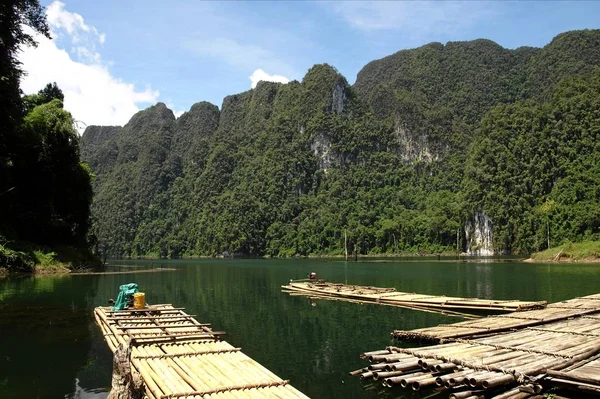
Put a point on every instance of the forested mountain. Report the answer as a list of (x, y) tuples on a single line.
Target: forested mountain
[(466, 145)]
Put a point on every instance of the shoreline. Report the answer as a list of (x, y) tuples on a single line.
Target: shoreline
[(590, 260), (59, 270), (65, 271)]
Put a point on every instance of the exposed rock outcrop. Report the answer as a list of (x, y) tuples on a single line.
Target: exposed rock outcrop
[(411, 147)]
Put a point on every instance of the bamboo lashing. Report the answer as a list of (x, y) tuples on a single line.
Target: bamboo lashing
[(206, 352), (389, 296), (177, 356), (547, 348), (226, 389)]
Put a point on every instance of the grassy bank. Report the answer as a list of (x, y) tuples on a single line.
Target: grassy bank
[(26, 258), (586, 251)]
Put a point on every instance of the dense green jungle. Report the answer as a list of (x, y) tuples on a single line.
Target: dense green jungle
[(466, 146), (45, 188)]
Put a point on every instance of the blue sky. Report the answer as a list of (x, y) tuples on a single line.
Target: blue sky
[(115, 57)]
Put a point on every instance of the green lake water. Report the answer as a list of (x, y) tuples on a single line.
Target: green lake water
[(50, 346)]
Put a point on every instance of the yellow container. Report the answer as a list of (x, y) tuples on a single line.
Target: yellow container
[(139, 300)]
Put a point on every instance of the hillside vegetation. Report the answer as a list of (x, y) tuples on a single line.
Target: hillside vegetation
[(425, 146)]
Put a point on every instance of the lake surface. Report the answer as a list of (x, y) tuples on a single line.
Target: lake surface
[(50, 346)]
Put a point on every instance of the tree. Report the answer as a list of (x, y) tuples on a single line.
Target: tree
[(54, 189), (14, 16), (50, 92), (546, 209)]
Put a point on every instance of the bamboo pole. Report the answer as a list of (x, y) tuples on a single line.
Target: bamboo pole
[(443, 367), (407, 380), (426, 382), (148, 379), (258, 371), (357, 372), (452, 378), (475, 380), (166, 382), (366, 355), (201, 379), (497, 381), (461, 395), (183, 379), (407, 365), (385, 374)]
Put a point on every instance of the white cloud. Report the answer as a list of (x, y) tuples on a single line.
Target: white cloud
[(417, 16), (92, 94), (85, 54), (72, 22), (259, 75)]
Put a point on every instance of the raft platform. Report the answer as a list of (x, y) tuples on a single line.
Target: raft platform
[(558, 311), (558, 349), (389, 296), (178, 357)]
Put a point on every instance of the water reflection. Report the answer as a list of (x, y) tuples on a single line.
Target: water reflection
[(83, 393), (45, 334), (50, 346), (483, 281)]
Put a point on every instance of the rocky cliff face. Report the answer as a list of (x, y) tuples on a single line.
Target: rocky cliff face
[(412, 147), (340, 96), (336, 94), (321, 145)]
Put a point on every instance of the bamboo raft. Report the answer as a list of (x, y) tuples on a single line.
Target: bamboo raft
[(389, 296), (517, 364), (494, 324), (178, 357), (445, 312)]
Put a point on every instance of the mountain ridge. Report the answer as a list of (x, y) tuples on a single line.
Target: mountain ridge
[(285, 169)]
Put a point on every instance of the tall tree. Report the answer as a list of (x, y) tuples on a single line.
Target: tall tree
[(19, 19), (54, 189)]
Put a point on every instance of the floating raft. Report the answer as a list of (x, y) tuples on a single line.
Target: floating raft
[(178, 357), (494, 324), (534, 359), (389, 296)]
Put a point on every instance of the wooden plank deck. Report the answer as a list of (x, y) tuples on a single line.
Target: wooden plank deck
[(178, 357), (389, 296), (555, 352)]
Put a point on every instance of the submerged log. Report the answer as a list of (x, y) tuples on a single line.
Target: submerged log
[(126, 382)]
